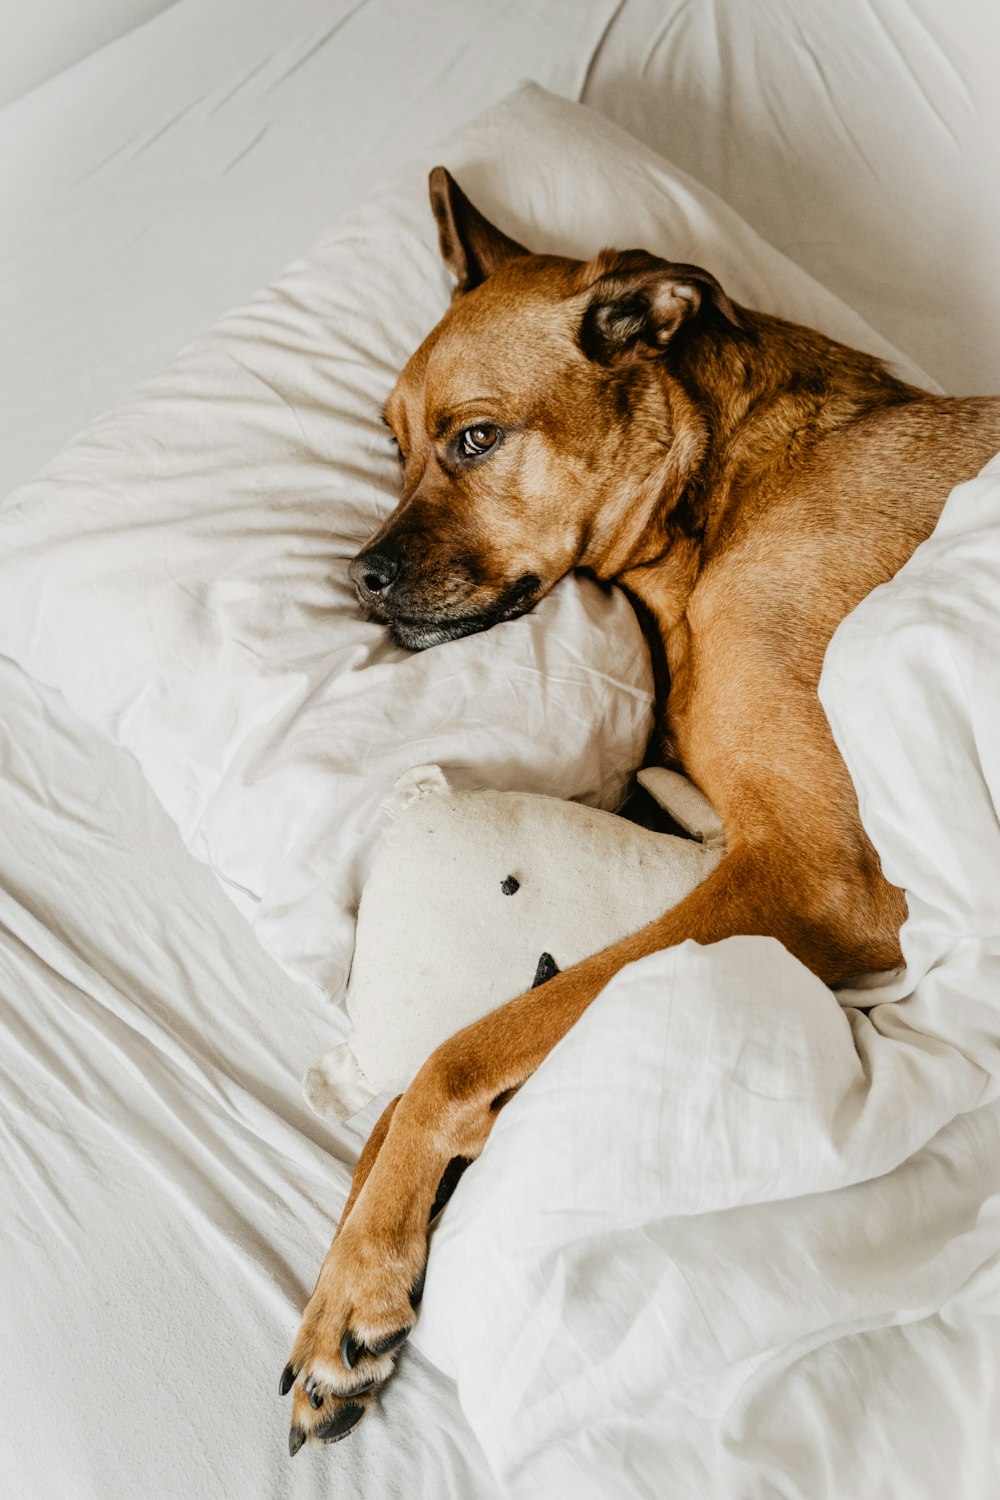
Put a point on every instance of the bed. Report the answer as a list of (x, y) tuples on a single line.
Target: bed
[(168, 1194)]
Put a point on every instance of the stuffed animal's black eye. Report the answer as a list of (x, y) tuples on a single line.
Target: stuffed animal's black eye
[(475, 441)]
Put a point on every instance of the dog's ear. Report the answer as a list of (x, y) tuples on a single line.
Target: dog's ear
[(471, 247), (638, 303)]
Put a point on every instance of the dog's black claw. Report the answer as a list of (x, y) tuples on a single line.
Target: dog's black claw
[(359, 1390), (391, 1341), (315, 1396), (296, 1438), (341, 1423), (417, 1290), (287, 1381), (350, 1350)]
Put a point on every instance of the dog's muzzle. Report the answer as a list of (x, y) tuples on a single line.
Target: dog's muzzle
[(378, 577)]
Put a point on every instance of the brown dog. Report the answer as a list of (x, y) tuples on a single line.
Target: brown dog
[(747, 481)]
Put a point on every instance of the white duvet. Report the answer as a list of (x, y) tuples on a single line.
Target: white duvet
[(740, 1236)]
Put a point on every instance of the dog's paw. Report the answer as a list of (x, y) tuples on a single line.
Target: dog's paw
[(356, 1321)]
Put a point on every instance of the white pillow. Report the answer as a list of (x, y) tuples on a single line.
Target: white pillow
[(180, 571)]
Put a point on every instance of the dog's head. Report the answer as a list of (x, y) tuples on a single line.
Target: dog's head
[(540, 427)]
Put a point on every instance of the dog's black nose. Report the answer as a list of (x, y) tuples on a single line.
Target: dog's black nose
[(374, 573)]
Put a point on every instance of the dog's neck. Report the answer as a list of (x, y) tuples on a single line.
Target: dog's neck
[(748, 409)]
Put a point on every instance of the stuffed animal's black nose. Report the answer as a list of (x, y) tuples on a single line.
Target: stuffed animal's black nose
[(374, 573)]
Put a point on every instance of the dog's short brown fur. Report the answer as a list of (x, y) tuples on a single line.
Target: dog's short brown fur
[(747, 481)]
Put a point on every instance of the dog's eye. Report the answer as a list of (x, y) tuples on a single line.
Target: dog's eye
[(400, 455), (475, 441)]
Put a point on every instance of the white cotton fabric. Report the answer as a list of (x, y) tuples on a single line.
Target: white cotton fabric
[(167, 1195), (180, 572), (739, 1235)]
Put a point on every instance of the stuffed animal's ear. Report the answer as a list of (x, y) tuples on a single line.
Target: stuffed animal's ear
[(685, 803), (335, 1087), (421, 781)]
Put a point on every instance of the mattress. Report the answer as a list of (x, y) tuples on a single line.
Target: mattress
[(168, 1193)]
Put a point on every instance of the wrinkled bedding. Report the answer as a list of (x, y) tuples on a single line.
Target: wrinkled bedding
[(166, 1193), (167, 1196)]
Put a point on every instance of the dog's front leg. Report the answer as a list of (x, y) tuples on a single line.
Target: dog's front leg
[(365, 1297), (369, 1285)]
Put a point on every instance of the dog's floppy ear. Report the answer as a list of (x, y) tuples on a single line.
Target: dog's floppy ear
[(471, 247), (638, 302)]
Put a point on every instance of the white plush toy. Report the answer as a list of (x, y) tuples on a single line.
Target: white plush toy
[(474, 896)]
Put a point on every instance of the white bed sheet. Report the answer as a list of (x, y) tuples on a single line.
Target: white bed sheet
[(43, 38), (166, 1191)]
